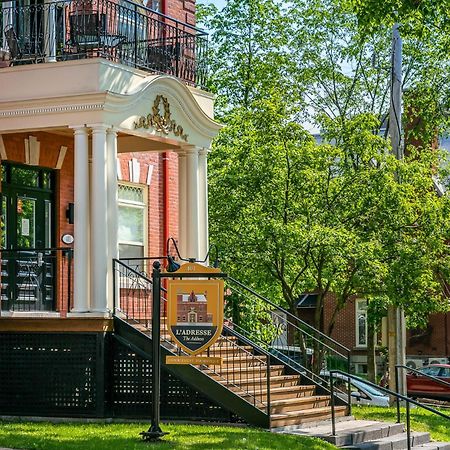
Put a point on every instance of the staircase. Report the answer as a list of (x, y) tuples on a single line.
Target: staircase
[(372, 435), (266, 386), (267, 379), (249, 374)]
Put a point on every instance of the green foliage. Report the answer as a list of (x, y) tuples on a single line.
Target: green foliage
[(90, 436), (343, 217)]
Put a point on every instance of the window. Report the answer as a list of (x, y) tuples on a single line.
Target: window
[(132, 220), (132, 23), (432, 371), (361, 323)]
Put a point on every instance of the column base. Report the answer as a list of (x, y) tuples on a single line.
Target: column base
[(89, 314)]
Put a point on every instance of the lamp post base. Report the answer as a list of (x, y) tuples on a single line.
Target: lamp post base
[(153, 435)]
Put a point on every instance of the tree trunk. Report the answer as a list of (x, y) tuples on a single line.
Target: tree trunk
[(371, 357)]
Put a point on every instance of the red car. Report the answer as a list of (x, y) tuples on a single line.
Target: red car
[(422, 386)]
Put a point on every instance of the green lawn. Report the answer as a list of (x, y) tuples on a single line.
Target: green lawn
[(47, 436), (421, 420)]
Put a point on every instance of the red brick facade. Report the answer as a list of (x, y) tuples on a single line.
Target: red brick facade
[(50, 145), (182, 10)]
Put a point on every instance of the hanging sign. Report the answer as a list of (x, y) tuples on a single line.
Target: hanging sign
[(194, 316)]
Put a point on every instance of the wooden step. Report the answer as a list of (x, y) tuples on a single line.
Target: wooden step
[(283, 392), (305, 416), (241, 360), (253, 384), (298, 403), (228, 350), (243, 373)]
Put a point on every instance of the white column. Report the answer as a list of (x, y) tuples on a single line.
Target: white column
[(50, 42), (99, 223), (182, 194), (192, 230), (7, 9), (81, 221), (203, 203), (113, 248)]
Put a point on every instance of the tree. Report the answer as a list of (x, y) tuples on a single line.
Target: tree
[(345, 219)]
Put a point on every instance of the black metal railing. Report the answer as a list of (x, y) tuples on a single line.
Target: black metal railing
[(399, 397), (35, 280), (246, 368), (120, 31), (290, 339)]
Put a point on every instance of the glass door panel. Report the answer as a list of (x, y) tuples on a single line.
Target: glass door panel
[(25, 221)]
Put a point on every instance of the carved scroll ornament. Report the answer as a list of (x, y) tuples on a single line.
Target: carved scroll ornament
[(161, 121)]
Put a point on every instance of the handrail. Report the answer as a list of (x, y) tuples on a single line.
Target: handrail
[(132, 5), (386, 391), (164, 17), (318, 332), (36, 279), (397, 380), (136, 306)]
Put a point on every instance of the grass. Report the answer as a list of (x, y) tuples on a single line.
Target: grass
[(421, 420), (82, 436)]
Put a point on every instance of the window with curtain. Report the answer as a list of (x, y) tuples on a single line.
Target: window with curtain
[(361, 323)]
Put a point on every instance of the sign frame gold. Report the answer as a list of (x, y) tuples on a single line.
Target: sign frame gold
[(180, 326)]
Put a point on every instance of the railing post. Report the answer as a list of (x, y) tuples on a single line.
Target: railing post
[(349, 393), (408, 424), (114, 263), (177, 51), (69, 278), (333, 418), (269, 412), (397, 381), (135, 36)]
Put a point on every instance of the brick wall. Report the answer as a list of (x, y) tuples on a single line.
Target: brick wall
[(182, 10), (156, 244), (50, 145), (432, 341)]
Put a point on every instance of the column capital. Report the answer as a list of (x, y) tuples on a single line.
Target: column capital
[(80, 129), (99, 127), (111, 131), (203, 151), (190, 149)]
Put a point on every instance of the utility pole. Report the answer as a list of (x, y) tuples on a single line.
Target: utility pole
[(396, 315)]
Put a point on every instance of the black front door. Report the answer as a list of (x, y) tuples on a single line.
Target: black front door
[(27, 216)]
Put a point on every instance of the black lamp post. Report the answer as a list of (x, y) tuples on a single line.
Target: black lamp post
[(154, 433)]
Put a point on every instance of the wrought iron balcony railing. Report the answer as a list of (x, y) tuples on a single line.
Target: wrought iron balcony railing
[(120, 31), (36, 280)]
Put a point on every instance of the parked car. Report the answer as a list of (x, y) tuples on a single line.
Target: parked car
[(361, 393), (419, 385)]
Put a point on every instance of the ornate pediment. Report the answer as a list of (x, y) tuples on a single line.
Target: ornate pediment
[(160, 119)]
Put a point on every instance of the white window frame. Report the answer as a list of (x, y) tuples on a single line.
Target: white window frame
[(143, 205), (361, 311)]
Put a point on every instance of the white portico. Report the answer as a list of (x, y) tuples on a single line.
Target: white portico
[(110, 109)]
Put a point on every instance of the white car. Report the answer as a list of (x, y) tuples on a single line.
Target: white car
[(362, 394)]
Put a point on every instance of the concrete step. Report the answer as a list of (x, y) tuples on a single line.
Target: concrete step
[(353, 432), (433, 446), (396, 442)]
